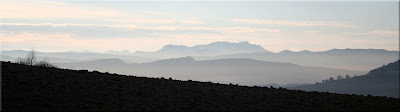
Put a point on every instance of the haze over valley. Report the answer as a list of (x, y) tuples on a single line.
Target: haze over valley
[(228, 55), (224, 62)]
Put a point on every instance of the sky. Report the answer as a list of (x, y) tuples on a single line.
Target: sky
[(56, 26)]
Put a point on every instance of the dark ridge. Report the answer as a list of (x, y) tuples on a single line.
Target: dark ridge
[(386, 68), (171, 47), (382, 81), (186, 59), (30, 88), (106, 61)]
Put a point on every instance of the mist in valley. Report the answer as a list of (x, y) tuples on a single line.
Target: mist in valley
[(199, 55)]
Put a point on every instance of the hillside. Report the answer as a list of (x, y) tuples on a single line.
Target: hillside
[(243, 71), (27, 88), (349, 59), (76, 56), (382, 81)]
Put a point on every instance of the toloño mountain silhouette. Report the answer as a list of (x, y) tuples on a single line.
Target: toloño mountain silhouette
[(212, 49)]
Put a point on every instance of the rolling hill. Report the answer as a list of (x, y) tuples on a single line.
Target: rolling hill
[(349, 59), (236, 70)]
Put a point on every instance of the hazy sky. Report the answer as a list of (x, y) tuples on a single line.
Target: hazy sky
[(148, 26)]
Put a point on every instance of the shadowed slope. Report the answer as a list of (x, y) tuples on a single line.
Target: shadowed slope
[(382, 81)]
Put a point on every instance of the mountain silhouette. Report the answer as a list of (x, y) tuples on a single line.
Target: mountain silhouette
[(69, 57), (112, 61), (349, 51), (174, 61), (244, 71), (212, 49), (351, 59), (95, 64), (124, 52)]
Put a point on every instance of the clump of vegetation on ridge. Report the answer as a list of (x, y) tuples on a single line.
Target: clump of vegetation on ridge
[(30, 60)]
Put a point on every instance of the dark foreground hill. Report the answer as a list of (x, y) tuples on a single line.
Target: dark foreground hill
[(27, 88), (382, 81)]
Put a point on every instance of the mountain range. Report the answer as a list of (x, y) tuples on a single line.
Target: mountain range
[(350, 59), (212, 49), (236, 70), (241, 63)]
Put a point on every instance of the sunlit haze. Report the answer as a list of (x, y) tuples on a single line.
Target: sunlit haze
[(148, 26)]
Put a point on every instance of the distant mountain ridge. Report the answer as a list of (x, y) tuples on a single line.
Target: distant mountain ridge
[(235, 70), (352, 59), (359, 51), (111, 61), (183, 60), (212, 49), (123, 52), (75, 56), (338, 51)]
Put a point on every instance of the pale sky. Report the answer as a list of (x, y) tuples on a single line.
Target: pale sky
[(148, 26)]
